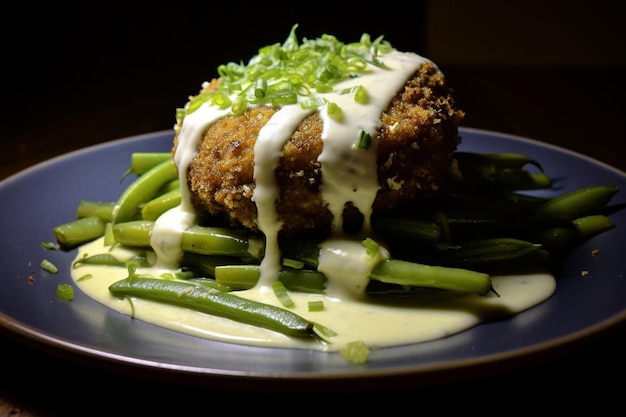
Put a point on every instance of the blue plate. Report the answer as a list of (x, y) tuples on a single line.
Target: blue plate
[(39, 198)]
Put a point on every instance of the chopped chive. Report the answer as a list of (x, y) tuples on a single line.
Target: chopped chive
[(279, 74), (65, 292), (356, 353), (364, 141), (371, 247), (334, 111), (360, 95), (312, 103), (316, 305), (221, 101), (84, 277), (323, 331), (293, 263), (282, 294), (239, 106), (260, 88), (48, 266), (50, 245)]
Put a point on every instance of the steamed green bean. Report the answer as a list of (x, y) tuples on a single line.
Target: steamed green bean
[(477, 222)]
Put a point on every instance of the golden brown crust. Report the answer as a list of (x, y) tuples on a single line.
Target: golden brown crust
[(415, 146)]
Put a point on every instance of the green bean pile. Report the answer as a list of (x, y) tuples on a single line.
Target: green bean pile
[(482, 221)]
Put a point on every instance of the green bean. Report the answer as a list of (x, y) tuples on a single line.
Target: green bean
[(477, 226), (169, 186), (416, 230), (135, 233), (501, 171), (392, 271), (160, 204), (221, 241), (142, 162), (209, 283), (197, 239), (282, 294), (79, 231), (107, 259), (480, 252), (498, 160), (247, 276), (303, 280), (579, 203), (104, 210), (240, 277), (593, 225), (143, 189), (305, 250), (562, 239), (109, 237), (470, 200), (206, 264), (221, 304), (395, 271)]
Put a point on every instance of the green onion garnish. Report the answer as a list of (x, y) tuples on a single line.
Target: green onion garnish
[(281, 293), (280, 73), (364, 141), (360, 95), (293, 263), (65, 292), (334, 111), (84, 277), (48, 266), (260, 88), (316, 305), (371, 247), (357, 353)]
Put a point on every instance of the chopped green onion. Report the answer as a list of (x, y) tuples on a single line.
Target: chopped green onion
[(334, 111), (312, 103), (293, 263), (65, 292), (50, 245), (278, 74), (260, 88), (360, 95), (316, 305), (364, 141), (282, 294), (323, 331), (356, 353), (109, 238), (48, 266), (84, 277), (239, 106), (371, 247), (222, 101)]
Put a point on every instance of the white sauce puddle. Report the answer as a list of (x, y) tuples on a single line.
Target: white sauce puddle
[(352, 318)]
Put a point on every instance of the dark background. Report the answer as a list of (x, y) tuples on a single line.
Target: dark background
[(77, 74), (82, 73)]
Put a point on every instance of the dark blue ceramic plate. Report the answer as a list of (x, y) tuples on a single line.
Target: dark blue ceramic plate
[(36, 200)]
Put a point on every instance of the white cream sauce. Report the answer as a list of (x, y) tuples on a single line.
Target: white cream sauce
[(349, 174), (378, 324)]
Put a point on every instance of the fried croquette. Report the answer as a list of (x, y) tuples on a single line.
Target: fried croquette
[(415, 146)]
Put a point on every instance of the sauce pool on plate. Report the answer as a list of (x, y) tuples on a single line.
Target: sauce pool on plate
[(380, 323)]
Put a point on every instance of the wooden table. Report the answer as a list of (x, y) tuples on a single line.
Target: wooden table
[(580, 109)]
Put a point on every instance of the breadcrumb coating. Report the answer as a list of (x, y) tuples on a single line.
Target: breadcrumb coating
[(415, 146)]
